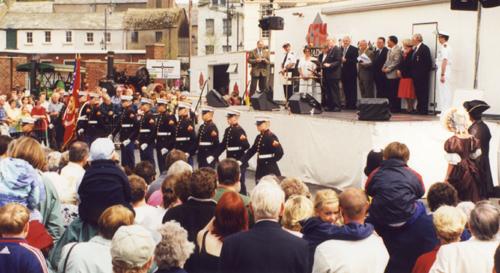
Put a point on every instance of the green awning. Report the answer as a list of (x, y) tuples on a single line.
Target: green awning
[(42, 67)]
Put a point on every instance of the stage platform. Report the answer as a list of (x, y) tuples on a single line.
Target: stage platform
[(330, 149)]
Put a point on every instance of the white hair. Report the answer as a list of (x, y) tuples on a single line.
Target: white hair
[(174, 248), (466, 207), (54, 161), (179, 167), (267, 199)]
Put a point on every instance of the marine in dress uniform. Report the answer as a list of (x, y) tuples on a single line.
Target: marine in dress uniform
[(268, 150), (208, 139), (166, 125), (235, 143), (82, 119), (443, 73), (147, 132), (95, 123), (185, 134), (109, 112), (127, 128)]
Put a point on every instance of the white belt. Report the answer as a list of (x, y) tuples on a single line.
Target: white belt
[(232, 149), (182, 138), (92, 121), (164, 133), (266, 156), (144, 131), (82, 118), (206, 143), (127, 125)]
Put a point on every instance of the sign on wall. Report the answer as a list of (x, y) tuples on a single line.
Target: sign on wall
[(164, 69)]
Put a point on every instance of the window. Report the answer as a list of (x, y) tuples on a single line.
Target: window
[(90, 37), (264, 33), (215, 2), (158, 4), (29, 37), (226, 48), (135, 37), (47, 36), (69, 62), (223, 2), (158, 36), (108, 37), (227, 26), (69, 36), (209, 49), (210, 25)]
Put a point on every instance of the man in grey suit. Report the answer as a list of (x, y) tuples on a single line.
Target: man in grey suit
[(259, 59), (365, 70), (390, 68)]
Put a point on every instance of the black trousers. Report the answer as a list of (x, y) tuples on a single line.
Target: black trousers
[(288, 91), (422, 91), (331, 94), (262, 80), (392, 95), (350, 85), (381, 84)]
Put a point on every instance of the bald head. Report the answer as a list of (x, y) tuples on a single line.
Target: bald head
[(353, 205), (363, 45), (260, 43), (346, 41)]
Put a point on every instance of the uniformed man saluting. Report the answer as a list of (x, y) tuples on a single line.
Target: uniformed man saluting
[(208, 139), (147, 132), (268, 150), (185, 135), (127, 127), (235, 142), (165, 132)]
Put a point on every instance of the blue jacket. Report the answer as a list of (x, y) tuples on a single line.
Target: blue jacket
[(19, 257), (395, 189)]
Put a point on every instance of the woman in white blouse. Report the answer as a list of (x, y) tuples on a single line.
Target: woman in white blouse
[(307, 66)]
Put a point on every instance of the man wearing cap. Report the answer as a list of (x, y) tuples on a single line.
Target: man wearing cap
[(443, 75), (147, 132), (185, 135), (287, 68), (127, 127), (268, 150), (480, 130), (132, 249), (27, 127), (109, 111), (208, 139), (235, 142), (165, 133), (95, 123), (82, 120)]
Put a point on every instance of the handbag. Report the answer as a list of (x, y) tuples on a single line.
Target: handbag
[(67, 257)]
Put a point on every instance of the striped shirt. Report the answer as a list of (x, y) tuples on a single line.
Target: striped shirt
[(16, 256)]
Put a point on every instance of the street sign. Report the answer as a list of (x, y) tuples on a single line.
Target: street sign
[(164, 69)]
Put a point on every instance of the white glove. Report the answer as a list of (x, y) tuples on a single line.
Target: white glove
[(187, 155), (210, 159), (80, 131), (144, 146), (110, 137), (164, 151), (239, 163), (51, 126), (126, 142)]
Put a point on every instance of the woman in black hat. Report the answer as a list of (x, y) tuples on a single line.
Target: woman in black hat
[(480, 130)]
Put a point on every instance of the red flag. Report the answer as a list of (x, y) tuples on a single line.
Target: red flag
[(201, 80), (72, 106)]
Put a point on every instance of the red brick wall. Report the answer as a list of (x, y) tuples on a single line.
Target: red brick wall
[(6, 77), (155, 51)]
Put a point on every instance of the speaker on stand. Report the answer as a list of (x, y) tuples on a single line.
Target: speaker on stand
[(262, 102), (303, 103), (470, 5), (215, 99)]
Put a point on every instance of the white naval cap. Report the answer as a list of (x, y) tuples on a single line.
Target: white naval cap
[(231, 112), (161, 101), (28, 120), (261, 119), (146, 101), (183, 104), (206, 109), (94, 95), (126, 98), (83, 93), (444, 33)]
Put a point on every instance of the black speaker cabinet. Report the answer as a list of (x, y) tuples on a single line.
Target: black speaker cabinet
[(262, 101), (490, 3), (215, 99), (374, 109), (276, 23), (471, 5), (303, 103)]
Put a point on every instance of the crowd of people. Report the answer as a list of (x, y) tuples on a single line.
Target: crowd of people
[(386, 69)]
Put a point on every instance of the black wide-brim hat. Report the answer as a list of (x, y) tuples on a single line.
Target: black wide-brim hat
[(476, 107)]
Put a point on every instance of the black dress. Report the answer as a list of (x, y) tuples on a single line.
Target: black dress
[(206, 262), (480, 130)]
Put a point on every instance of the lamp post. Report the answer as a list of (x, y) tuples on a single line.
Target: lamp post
[(229, 15)]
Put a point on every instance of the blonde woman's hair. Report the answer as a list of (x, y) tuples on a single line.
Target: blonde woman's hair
[(325, 197), (13, 218), (297, 208), (30, 150), (407, 42), (113, 218), (449, 223), (456, 120)]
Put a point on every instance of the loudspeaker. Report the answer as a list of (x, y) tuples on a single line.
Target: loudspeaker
[(490, 3), (464, 5), (215, 99), (272, 23), (374, 109), (303, 103), (109, 85), (262, 102)]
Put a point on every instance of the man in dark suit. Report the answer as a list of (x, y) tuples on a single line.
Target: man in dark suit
[(331, 64), (421, 66), (378, 64), (350, 72), (266, 248)]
